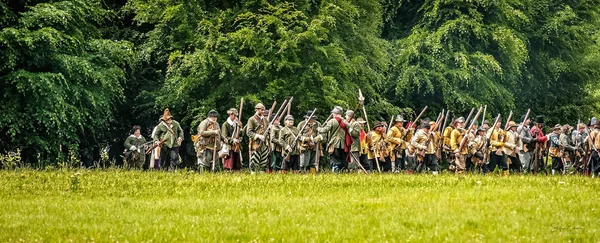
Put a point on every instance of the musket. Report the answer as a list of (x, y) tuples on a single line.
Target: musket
[(281, 109), (358, 161), (508, 120), (361, 101), (520, 127), (487, 139), (440, 147), (217, 138), (271, 110), (469, 116), (483, 117), (429, 137), (415, 120), (236, 133), (155, 145), (299, 134), (290, 106), (464, 139)]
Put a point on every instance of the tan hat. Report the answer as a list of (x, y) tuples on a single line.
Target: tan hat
[(360, 120), (166, 115), (557, 127), (512, 124), (259, 106), (232, 111)]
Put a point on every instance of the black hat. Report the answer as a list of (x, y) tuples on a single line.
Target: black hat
[(539, 119), (426, 125), (212, 113), (523, 118)]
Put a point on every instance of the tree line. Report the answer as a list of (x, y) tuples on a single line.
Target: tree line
[(76, 75)]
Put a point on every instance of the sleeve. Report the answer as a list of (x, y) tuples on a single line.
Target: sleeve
[(524, 138), (355, 130), (274, 136), (127, 143), (251, 128), (454, 140), (390, 138), (539, 135), (158, 133), (225, 133), (494, 139), (564, 142), (202, 130)]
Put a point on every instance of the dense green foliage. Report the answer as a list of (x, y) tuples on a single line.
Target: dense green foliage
[(101, 206), (81, 73)]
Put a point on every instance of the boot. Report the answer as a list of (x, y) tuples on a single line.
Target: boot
[(505, 173), (313, 171), (553, 172)]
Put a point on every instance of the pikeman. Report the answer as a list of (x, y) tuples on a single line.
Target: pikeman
[(276, 144), (497, 155), (476, 149), (259, 149), (378, 152), (511, 147), (335, 130), (455, 138), (287, 136), (309, 140), (168, 136), (395, 137), (208, 142), (540, 144), (232, 160), (359, 148)]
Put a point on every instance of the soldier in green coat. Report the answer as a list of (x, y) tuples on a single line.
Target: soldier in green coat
[(135, 148), (169, 136), (276, 144), (255, 129), (288, 135), (208, 143), (308, 141), (334, 130)]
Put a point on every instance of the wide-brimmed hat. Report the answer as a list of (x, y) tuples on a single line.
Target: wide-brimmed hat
[(259, 106), (360, 120), (481, 129), (486, 122), (427, 125), (557, 127), (399, 118), (539, 119), (337, 110), (213, 113), (166, 115), (459, 120), (289, 117), (379, 124), (232, 111), (567, 127), (597, 124), (349, 113), (512, 124)]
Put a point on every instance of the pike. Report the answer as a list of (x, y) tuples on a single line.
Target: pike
[(483, 117), (289, 106), (237, 132), (271, 110), (464, 139), (218, 138), (361, 101), (415, 120), (281, 109), (523, 123), (299, 134), (440, 147)]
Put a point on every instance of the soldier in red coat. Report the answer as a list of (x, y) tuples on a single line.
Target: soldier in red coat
[(539, 139)]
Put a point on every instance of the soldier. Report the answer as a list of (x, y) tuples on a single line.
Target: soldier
[(566, 145), (527, 145), (425, 141), (471, 133), (208, 142), (410, 152), (455, 139), (555, 151), (169, 136), (135, 146), (511, 146), (288, 136), (579, 138), (378, 148), (477, 149), (276, 144), (309, 140), (335, 129), (594, 165), (255, 129), (232, 161), (448, 153), (540, 144), (359, 154), (395, 138), (497, 155)]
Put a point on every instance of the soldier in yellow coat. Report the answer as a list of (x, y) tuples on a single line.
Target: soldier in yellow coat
[(378, 151), (395, 138), (497, 155), (460, 154), (476, 148), (425, 141), (447, 150)]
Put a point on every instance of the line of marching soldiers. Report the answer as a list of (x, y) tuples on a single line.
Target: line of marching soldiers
[(400, 146)]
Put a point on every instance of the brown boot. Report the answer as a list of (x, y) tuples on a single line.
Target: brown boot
[(313, 171)]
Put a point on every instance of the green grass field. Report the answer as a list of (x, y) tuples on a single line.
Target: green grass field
[(135, 206)]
